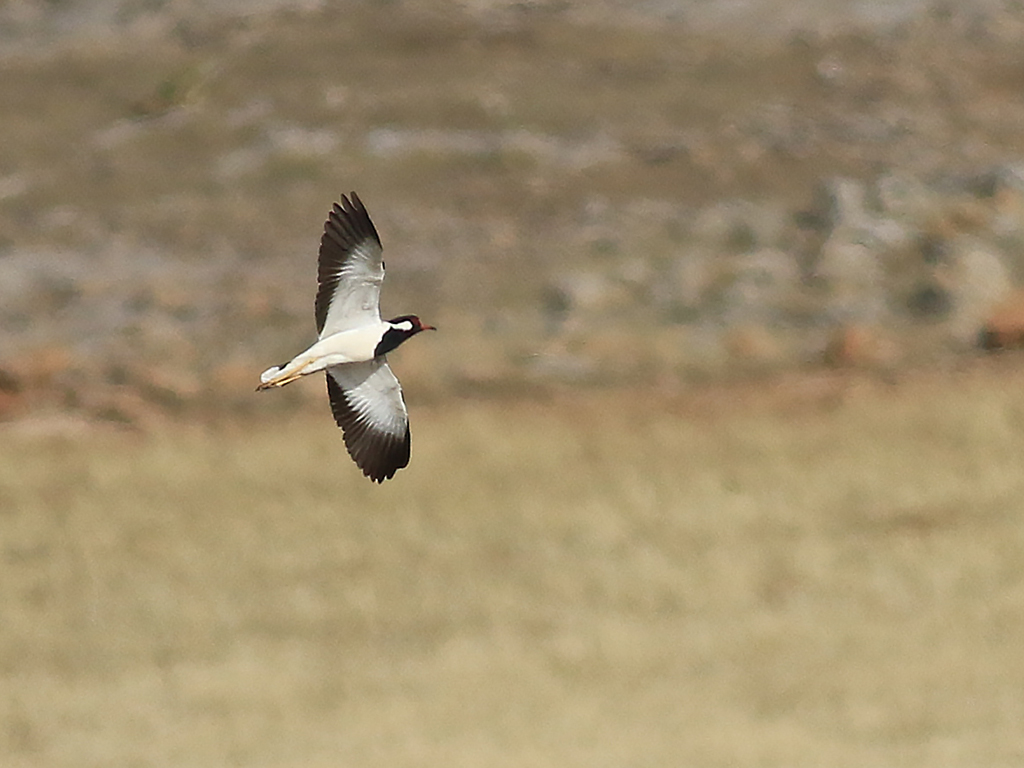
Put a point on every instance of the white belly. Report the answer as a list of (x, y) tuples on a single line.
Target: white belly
[(355, 346)]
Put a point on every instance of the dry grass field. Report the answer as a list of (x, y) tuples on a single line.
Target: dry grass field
[(827, 576)]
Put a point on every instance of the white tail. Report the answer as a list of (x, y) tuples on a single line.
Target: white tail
[(270, 373)]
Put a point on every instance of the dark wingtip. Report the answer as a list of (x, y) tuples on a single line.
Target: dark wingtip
[(379, 478), (351, 202), (376, 465)]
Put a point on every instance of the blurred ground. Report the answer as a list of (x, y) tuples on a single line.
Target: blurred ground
[(574, 197), (716, 455), (831, 578)]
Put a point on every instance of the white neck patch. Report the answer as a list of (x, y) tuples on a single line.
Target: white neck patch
[(404, 325)]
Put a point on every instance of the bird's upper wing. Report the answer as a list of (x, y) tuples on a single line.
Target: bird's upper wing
[(366, 399), (350, 270)]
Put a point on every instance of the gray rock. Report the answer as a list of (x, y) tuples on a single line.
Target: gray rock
[(1004, 187), (758, 287), (852, 274), (929, 300), (904, 198), (978, 280), (681, 290), (887, 234), (1010, 176), (737, 226), (581, 295), (842, 203)]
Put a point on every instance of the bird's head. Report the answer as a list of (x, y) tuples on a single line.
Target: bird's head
[(410, 325), (401, 329)]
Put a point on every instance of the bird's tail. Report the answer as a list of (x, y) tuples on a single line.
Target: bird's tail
[(271, 377), (282, 374)]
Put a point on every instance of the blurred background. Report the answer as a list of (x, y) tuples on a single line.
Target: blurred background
[(716, 455)]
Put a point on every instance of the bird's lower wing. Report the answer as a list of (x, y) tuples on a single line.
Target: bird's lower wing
[(367, 403)]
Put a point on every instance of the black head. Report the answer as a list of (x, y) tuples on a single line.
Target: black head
[(402, 328), (410, 324)]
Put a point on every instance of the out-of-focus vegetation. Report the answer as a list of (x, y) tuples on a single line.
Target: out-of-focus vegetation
[(824, 574)]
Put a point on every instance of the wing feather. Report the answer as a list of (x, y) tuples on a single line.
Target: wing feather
[(367, 403), (350, 269)]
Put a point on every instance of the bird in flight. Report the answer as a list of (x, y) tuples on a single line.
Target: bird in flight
[(353, 344)]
